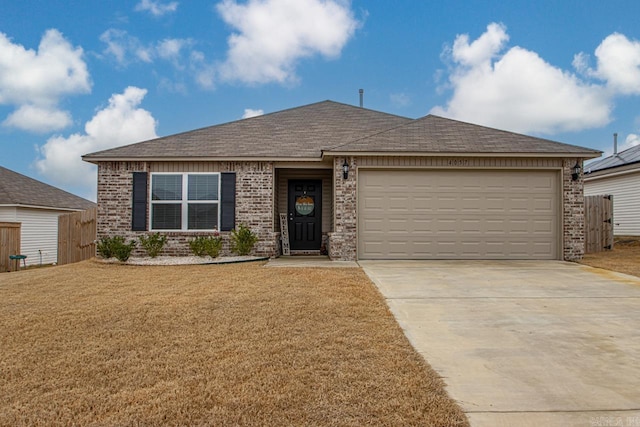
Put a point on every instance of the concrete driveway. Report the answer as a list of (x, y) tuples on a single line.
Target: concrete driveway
[(523, 343)]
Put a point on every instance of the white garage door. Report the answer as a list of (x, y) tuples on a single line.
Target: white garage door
[(458, 214)]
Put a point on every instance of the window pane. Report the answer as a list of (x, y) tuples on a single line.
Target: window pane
[(166, 216), (166, 187), (203, 187), (203, 216)]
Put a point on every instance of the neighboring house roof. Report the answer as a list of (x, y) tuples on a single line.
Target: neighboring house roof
[(328, 127), (19, 190), (623, 158), (433, 134)]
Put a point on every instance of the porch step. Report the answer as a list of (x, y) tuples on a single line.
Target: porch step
[(305, 253)]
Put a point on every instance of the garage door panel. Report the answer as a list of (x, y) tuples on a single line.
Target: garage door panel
[(474, 214)]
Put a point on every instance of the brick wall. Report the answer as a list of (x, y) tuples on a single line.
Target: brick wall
[(573, 212), (342, 241), (254, 206)]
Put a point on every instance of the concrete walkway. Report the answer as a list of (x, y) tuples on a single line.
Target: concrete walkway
[(309, 261), (523, 343)]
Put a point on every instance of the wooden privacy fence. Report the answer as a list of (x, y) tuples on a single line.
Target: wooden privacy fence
[(598, 223), (76, 236), (9, 245)]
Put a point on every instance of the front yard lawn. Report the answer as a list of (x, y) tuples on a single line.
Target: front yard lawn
[(100, 344)]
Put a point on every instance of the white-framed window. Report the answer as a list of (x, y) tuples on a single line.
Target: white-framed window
[(185, 201)]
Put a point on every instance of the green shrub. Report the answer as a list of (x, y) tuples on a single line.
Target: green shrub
[(104, 248), (153, 243), (115, 246), (243, 240), (206, 245)]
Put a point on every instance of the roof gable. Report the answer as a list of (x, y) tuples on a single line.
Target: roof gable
[(434, 134), (300, 132), (18, 189), (328, 127)]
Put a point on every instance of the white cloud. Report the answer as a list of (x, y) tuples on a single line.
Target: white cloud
[(157, 8), (38, 119), (124, 48), (631, 140), (273, 35), (518, 90), (204, 73), (248, 113), (618, 61), (400, 100), (36, 81), (121, 122)]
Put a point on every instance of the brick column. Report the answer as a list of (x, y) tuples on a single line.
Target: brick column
[(343, 240), (573, 212)]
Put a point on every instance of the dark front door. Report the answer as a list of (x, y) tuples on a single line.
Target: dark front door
[(305, 219)]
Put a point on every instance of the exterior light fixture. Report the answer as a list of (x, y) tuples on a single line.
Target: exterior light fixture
[(576, 171), (345, 169)]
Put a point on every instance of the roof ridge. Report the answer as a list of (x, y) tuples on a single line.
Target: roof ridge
[(372, 134), (257, 120)]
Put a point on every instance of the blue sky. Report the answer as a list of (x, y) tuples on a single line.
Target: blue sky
[(81, 76)]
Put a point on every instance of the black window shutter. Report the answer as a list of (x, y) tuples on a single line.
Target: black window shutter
[(139, 207), (227, 201)]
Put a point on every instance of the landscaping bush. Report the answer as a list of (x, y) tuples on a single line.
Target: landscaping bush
[(104, 248), (207, 245), (153, 244), (243, 240), (115, 246)]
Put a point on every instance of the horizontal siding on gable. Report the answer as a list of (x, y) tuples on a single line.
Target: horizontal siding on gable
[(626, 201), (461, 162), (185, 167)]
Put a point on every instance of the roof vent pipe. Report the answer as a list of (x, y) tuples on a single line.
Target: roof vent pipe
[(361, 98), (615, 144)]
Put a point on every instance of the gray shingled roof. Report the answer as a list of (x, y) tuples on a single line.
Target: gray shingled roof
[(17, 189), (626, 157), (300, 132), (331, 127), (433, 134)]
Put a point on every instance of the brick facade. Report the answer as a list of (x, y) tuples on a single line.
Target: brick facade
[(572, 212), (342, 241), (254, 206)]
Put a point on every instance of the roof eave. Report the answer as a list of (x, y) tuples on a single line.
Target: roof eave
[(96, 160), (51, 208), (582, 155)]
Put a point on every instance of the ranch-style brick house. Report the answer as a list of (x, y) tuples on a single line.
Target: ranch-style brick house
[(356, 183)]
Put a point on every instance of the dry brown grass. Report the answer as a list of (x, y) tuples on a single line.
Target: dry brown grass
[(97, 344), (624, 258)]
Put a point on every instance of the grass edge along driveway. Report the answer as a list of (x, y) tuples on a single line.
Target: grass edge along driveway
[(98, 344)]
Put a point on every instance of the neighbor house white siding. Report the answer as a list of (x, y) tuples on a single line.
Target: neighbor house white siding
[(625, 189), (8, 214), (39, 232)]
